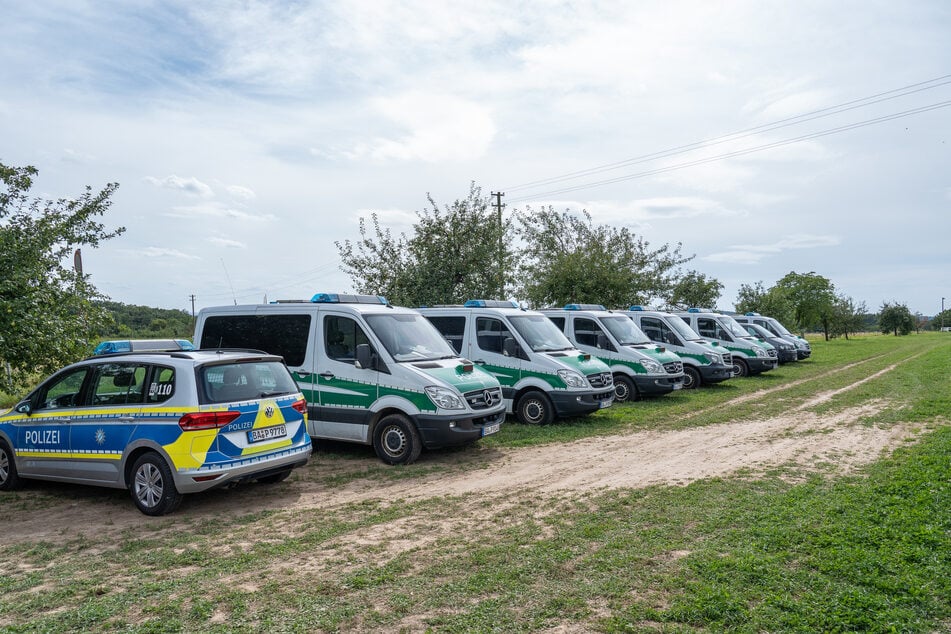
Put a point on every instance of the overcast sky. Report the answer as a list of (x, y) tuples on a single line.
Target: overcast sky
[(248, 136)]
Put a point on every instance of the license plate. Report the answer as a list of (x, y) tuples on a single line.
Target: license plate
[(491, 429), (267, 433), (678, 386), (604, 404)]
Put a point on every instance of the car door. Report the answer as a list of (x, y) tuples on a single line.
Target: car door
[(101, 430), (43, 444), (345, 392), (488, 349)]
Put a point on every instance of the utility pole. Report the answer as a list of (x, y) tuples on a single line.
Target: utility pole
[(192, 297), (942, 314), (498, 208)]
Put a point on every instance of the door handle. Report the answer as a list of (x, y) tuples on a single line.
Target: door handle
[(126, 419), (480, 361), (326, 375)]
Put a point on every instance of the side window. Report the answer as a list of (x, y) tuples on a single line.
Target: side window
[(64, 391), (587, 331), (559, 321), (706, 327), (452, 328), (118, 384), (342, 335), (653, 329), (162, 385), (284, 335), (490, 333)]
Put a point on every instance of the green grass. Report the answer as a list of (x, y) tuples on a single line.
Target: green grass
[(870, 552)]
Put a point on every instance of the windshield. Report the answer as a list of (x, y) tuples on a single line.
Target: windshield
[(625, 331), (681, 328), (732, 326), (778, 328), (410, 337), (540, 333), (758, 331)]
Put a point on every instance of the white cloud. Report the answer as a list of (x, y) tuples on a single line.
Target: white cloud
[(190, 185), (228, 243), (163, 252), (753, 253), (244, 193), (215, 209)]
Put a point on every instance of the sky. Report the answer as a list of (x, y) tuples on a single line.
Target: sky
[(248, 137)]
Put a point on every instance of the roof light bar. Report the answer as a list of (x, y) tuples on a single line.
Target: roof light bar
[(339, 298)]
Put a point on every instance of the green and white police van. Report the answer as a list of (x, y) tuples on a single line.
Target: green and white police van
[(749, 354), (543, 375), (372, 373), (803, 349), (705, 362), (640, 366)]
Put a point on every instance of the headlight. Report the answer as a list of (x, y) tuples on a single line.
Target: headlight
[(652, 366), (802, 345), (446, 399), (760, 352), (786, 346), (713, 358), (572, 378)]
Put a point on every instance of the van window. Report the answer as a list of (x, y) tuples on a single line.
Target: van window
[(558, 321), (490, 333), (342, 335), (118, 384), (452, 328), (587, 331), (657, 330), (284, 335), (711, 328)]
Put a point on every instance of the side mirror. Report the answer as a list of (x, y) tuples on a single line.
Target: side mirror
[(364, 357), (603, 342), (509, 347), (24, 408)]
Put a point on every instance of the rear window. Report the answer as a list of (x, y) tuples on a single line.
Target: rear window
[(246, 381), (283, 335)]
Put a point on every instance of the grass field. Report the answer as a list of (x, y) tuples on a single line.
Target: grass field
[(791, 549)]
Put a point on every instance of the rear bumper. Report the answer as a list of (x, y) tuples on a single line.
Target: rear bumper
[(249, 468)]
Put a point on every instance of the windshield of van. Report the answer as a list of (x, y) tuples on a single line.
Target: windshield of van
[(732, 326), (778, 328), (409, 337), (625, 331), (682, 329), (540, 333)]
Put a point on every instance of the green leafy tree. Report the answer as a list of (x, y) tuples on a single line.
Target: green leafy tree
[(812, 297), (847, 316), (567, 258), (940, 320), (895, 318), (694, 289), (47, 312), (770, 302), (455, 253)]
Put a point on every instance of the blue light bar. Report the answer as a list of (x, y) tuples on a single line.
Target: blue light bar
[(694, 310), (139, 345), (338, 298), (490, 303), (752, 314), (635, 307), (584, 307), (111, 347)]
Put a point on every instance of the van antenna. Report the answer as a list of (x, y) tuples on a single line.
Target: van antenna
[(228, 277)]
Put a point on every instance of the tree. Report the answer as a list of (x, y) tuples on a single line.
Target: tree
[(812, 297), (454, 254), (895, 318), (847, 316), (47, 314), (772, 303), (694, 289), (567, 258)]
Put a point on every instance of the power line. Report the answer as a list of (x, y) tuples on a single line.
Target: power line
[(726, 155), (741, 134)]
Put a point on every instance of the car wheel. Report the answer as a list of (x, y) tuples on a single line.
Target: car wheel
[(274, 478), (534, 408), (396, 440), (152, 487), (624, 389), (9, 479), (691, 378), (740, 368)]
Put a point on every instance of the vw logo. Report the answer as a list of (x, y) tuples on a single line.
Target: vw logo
[(489, 397), (269, 411)]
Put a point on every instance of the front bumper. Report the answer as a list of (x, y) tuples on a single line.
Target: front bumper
[(580, 403), (657, 385), (448, 431), (715, 373), (759, 364)]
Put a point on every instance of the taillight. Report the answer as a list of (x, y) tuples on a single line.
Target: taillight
[(206, 420), (300, 406)]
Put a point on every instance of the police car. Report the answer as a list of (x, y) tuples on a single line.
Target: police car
[(160, 424)]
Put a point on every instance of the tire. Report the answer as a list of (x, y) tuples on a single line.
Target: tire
[(152, 486), (740, 369), (624, 389), (396, 440), (534, 408), (691, 377), (9, 480), (274, 478)]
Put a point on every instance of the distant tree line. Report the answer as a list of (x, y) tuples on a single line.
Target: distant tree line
[(126, 321)]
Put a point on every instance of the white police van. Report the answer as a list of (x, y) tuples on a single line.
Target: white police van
[(705, 362), (372, 373), (803, 349), (543, 375), (749, 355), (640, 366)]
